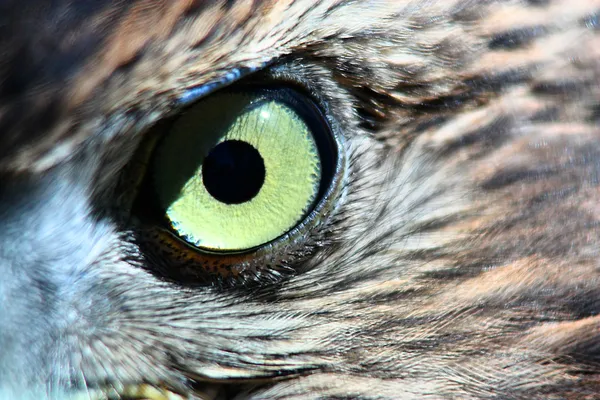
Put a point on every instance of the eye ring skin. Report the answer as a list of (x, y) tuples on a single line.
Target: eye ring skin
[(177, 259)]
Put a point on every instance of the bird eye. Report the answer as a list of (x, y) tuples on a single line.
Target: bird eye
[(237, 172)]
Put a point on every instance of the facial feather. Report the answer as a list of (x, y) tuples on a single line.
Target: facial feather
[(462, 262)]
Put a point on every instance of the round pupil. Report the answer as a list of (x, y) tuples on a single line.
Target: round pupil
[(233, 172)]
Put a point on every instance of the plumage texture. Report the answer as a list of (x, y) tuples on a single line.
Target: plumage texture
[(462, 262)]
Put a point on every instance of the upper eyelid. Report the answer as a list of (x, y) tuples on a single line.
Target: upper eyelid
[(195, 93)]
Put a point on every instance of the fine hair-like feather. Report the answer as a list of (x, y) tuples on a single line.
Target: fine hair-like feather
[(461, 263)]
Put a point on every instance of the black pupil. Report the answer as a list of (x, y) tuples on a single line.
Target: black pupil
[(233, 172)]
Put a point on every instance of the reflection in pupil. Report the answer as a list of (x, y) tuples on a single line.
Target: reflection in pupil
[(233, 172)]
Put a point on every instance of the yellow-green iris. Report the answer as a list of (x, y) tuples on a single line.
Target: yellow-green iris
[(247, 136)]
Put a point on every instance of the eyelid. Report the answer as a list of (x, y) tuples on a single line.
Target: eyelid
[(194, 94)]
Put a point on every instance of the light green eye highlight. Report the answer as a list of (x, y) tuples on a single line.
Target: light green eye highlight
[(237, 170)]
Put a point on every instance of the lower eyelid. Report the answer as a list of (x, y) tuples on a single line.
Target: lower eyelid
[(182, 257), (176, 261)]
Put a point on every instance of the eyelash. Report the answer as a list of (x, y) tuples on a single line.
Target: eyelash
[(177, 261)]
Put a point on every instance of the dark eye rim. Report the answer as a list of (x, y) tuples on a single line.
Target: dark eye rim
[(329, 144)]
